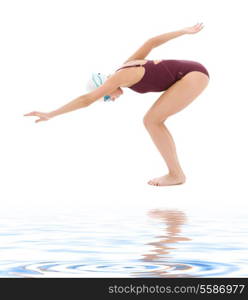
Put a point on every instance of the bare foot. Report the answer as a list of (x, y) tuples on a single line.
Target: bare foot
[(167, 180)]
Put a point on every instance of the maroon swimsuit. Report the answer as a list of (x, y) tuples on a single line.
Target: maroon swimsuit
[(160, 76)]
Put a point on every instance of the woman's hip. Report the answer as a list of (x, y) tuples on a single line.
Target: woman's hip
[(179, 68)]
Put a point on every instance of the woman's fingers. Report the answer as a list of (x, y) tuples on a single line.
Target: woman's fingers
[(194, 29), (38, 120), (197, 27), (41, 119), (33, 113), (42, 116)]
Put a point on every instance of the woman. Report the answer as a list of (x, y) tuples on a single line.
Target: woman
[(180, 80)]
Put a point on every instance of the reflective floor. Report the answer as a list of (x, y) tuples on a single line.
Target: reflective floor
[(155, 242)]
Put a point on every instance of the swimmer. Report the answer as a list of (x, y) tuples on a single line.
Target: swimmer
[(180, 81)]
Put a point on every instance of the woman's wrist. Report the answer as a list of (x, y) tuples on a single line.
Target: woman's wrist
[(52, 114), (183, 31)]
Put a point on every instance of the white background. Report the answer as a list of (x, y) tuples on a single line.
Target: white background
[(102, 155)]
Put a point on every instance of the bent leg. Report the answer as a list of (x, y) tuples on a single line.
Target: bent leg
[(173, 100)]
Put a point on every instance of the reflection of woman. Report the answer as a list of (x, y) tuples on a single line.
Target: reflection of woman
[(174, 220), (181, 81)]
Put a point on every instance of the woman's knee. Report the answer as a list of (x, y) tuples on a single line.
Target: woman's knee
[(149, 120)]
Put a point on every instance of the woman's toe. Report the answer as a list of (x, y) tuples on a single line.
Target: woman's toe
[(153, 182)]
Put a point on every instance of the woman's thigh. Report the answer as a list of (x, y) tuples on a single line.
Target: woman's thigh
[(177, 97)]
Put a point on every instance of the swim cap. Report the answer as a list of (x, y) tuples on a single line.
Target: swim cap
[(96, 80)]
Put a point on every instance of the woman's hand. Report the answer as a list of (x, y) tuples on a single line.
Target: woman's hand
[(42, 116), (194, 29)]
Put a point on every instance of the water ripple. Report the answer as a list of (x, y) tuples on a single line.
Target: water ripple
[(134, 269), (165, 244)]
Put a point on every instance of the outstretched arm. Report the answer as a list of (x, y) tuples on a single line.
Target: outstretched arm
[(142, 52), (110, 85), (156, 41), (163, 38)]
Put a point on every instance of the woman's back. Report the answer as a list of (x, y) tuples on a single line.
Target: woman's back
[(158, 76)]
